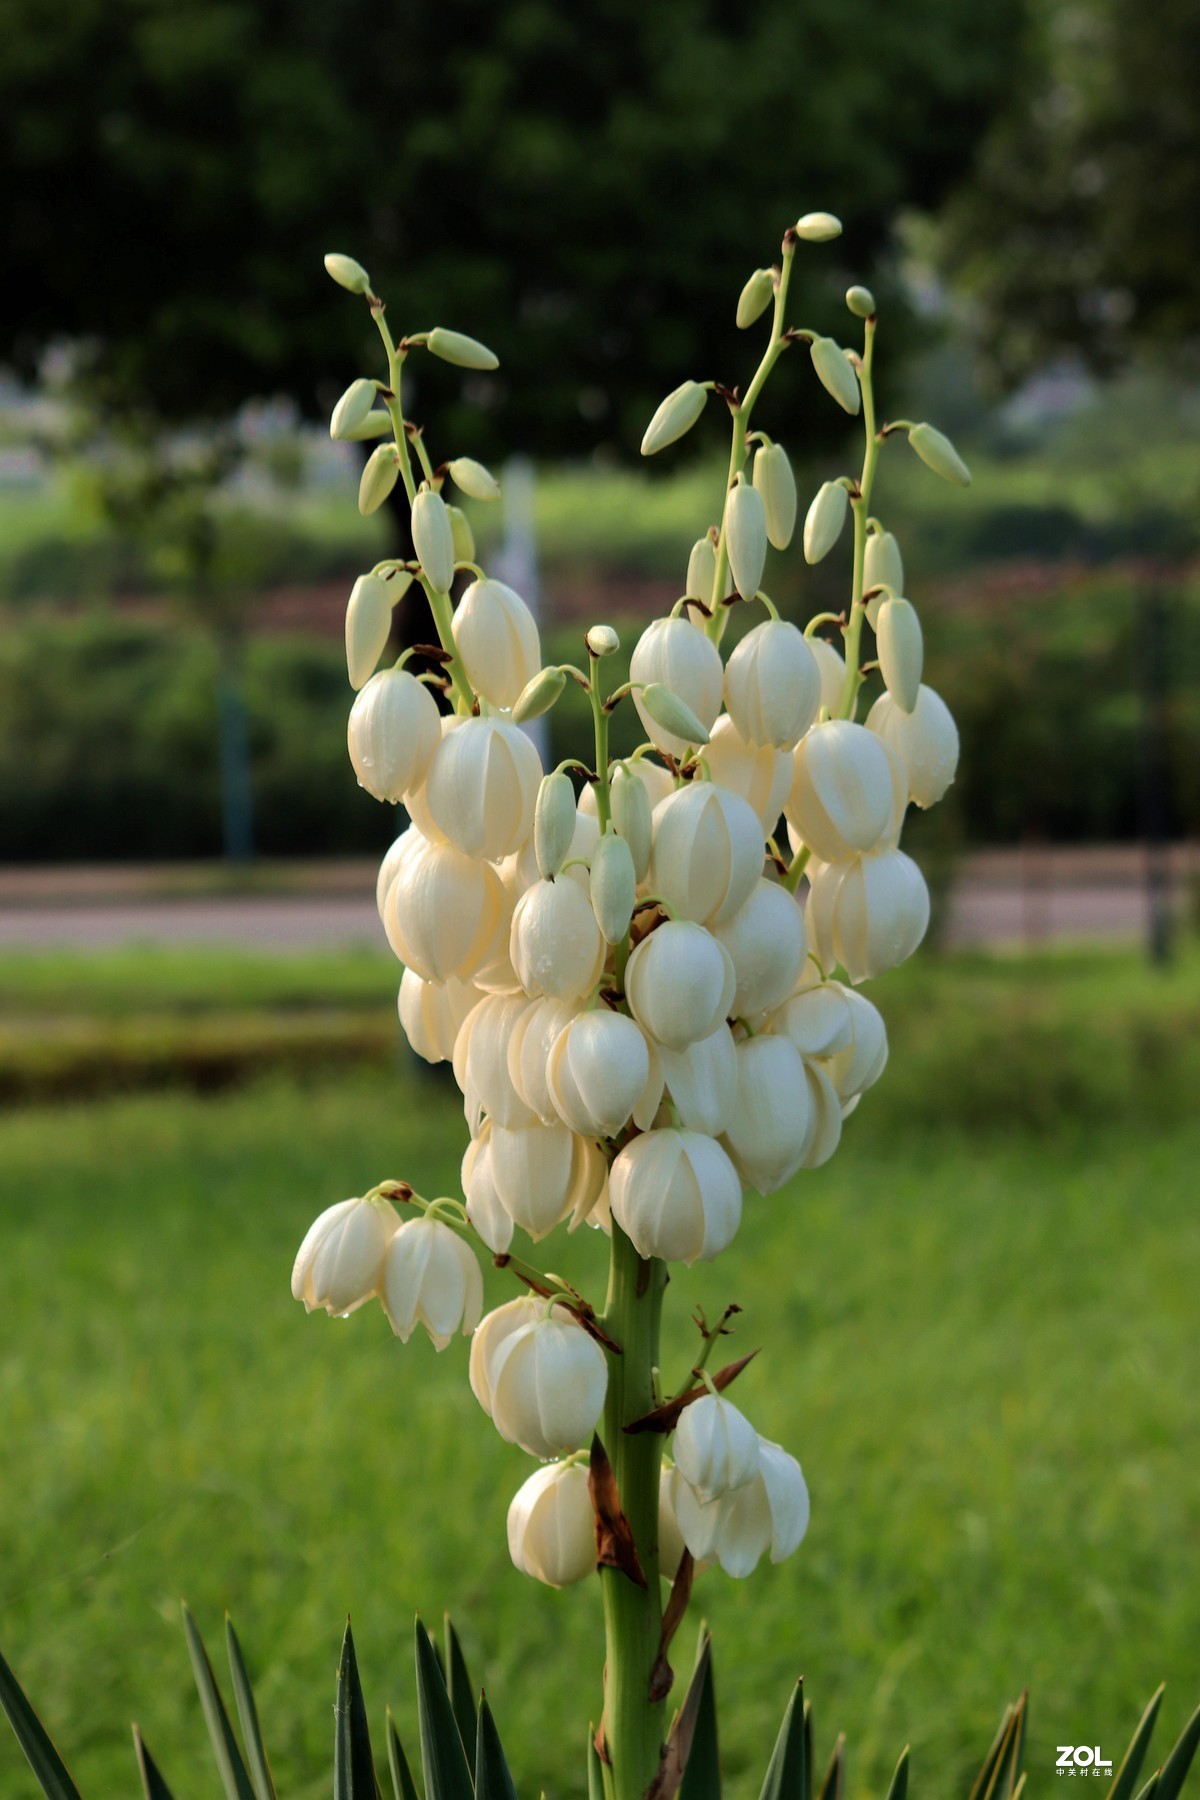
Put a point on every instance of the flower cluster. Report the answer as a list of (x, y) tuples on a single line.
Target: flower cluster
[(645, 972)]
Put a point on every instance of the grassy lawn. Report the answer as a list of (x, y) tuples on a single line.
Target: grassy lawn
[(980, 1337)]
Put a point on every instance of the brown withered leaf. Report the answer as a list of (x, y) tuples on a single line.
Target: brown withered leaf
[(615, 1548), (679, 1744), (662, 1676), (664, 1418)]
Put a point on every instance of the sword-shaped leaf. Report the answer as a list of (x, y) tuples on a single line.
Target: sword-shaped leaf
[(447, 1776), (226, 1754), (834, 1783), (458, 1686), (785, 1779), (1125, 1780), (354, 1776), (595, 1768), (153, 1785), (243, 1694), (402, 1782), (702, 1771), (34, 1739), (492, 1778), (899, 1783), (1173, 1773)]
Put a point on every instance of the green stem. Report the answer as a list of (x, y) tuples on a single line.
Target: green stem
[(861, 509), (395, 362), (600, 719), (633, 1724), (441, 608)]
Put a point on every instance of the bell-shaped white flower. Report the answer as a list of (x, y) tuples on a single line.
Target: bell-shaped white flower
[(702, 1081), (817, 1020), (716, 1447), (761, 776), (485, 1210), (901, 650), (545, 1384), (708, 851), (490, 1335), (657, 781), (601, 1072), (767, 944), (481, 1061), (831, 665), (432, 1012), (858, 1063), (531, 1039), (368, 627), (552, 1527), (680, 984), (842, 797), (671, 653), (408, 843), (392, 735), (536, 1173), (496, 637), (482, 787), (340, 1263), (433, 539), (867, 914), (745, 537), (556, 946), (773, 685), (771, 1124), (925, 740), (445, 914), (883, 567), (676, 1195), (769, 1513), (670, 1539), (431, 1278)]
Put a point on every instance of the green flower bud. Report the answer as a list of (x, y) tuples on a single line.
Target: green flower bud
[(433, 539), (934, 447), (883, 566), (755, 297), (602, 640), (613, 886), (347, 273), (465, 352), (861, 302), (474, 480), (368, 627), (826, 516), (630, 803), (777, 485), (538, 695), (677, 414), (745, 538), (702, 571), (353, 407), (464, 537), (553, 823), (380, 473), (818, 227), (376, 424), (672, 713), (835, 374), (901, 652)]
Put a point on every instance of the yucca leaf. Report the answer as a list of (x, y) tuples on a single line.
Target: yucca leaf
[(809, 1758), (595, 1768), (785, 1779), (1151, 1787), (447, 1776), (983, 1781), (458, 1686), (835, 1775), (1020, 1787), (1173, 1773), (492, 1779), (153, 1785), (898, 1789), (1125, 1780), (702, 1771), (354, 1775), (34, 1739), (243, 1694), (1017, 1748), (226, 1754), (404, 1786)]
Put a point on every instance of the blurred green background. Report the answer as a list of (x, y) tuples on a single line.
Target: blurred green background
[(981, 1318)]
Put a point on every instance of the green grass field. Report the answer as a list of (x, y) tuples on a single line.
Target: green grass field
[(979, 1328)]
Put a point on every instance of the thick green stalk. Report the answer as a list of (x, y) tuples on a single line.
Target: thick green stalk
[(861, 509), (633, 1724)]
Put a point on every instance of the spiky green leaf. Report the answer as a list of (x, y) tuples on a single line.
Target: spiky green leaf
[(354, 1775), (153, 1785), (227, 1756), (809, 1758), (492, 1778), (785, 1779), (447, 1776), (403, 1785), (458, 1686), (34, 1739), (984, 1782), (1173, 1773), (898, 1790), (702, 1772), (1151, 1787), (1125, 1781), (834, 1783), (595, 1768), (247, 1710)]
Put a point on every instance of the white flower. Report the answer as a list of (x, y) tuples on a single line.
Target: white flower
[(761, 776), (774, 480), (531, 1038), (521, 869), (842, 794), (496, 636), (631, 811), (925, 740), (816, 1019), (901, 651), (431, 1278), (481, 1061), (433, 539), (482, 787), (745, 537), (768, 1513), (867, 914), (883, 566), (445, 915), (708, 851), (556, 946), (824, 520), (657, 781), (675, 416), (773, 685), (680, 984), (771, 1124), (340, 1263), (858, 1064), (686, 662), (537, 1173), (487, 1213), (491, 1333), (716, 1447), (670, 1539), (393, 732), (613, 883), (676, 1195), (551, 1526), (827, 1114), (600, 1072), (432, 1013), (832, 667), (702, 1081), (767, 944), (543, 1383), (368, 627)]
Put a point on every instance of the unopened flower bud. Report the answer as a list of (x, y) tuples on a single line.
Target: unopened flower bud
[(393, 734), (340, 1263), (497, 638), (431, 1278), (773, 685), (680, 984), (745, 537), (676, 1195), (832, 666), (368, 627), (556, 947), (708, 851), (716, 1447), (934, 448), (482, 787), (883, 567), (755, 297), (433, 539), (675, 417), (901, 653), (347, 273), (544, 1382), (631, 814), (613, 886), (553, 823), (601, 1073), (842, 792), (462, 535), (826, 516), (818, 227), (474, 480), (352, 408), (602, 640), (551, 1526), (466, 352), (702, 571), (861, 302), (381, 471), (776, 485), (674, 715), (835, 373), (672, 654), (925, 740), (376, 424), (538, 695)]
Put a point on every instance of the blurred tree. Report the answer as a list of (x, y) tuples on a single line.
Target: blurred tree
[(586, 187), (1080, 227)]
